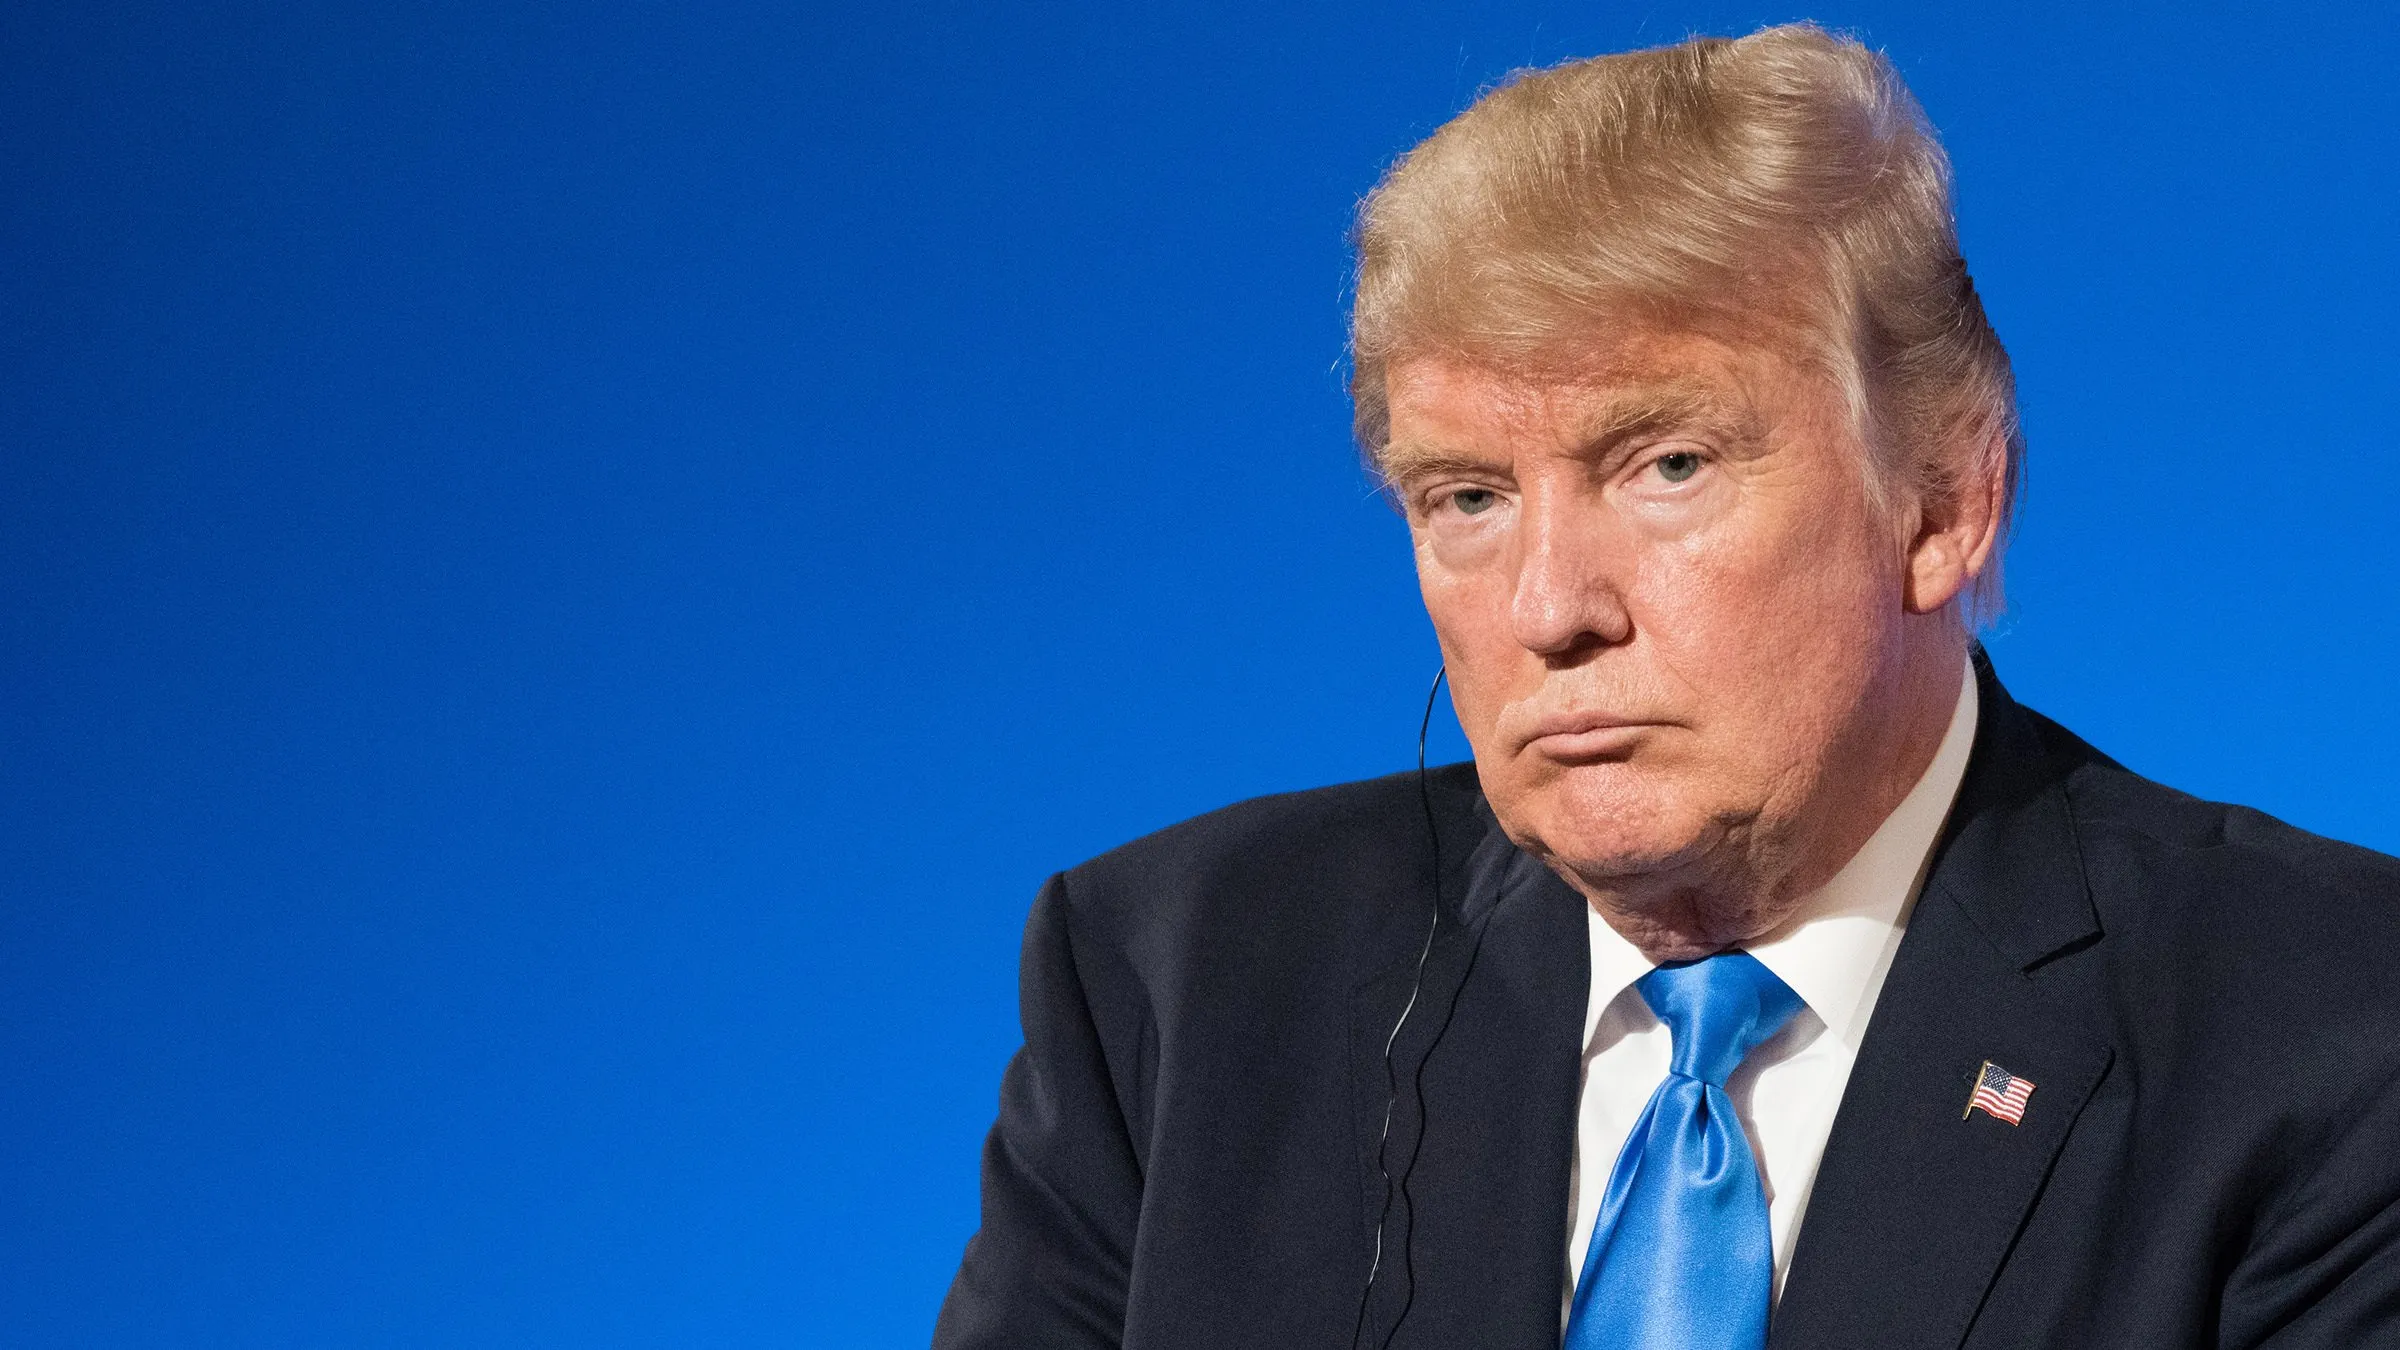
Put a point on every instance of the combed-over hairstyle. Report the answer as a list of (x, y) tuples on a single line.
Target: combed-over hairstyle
[(1786, 182)]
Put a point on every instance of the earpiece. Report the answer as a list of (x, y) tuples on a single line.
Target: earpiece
[(1391, 1083)]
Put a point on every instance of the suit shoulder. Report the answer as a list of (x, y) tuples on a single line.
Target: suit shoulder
[(1309, 850), (1308, 828), (2214, 913), (2115, 806)]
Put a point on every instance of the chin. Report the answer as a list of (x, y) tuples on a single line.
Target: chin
[(1606, 820)]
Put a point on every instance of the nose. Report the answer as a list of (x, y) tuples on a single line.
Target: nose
[(1569, 594)]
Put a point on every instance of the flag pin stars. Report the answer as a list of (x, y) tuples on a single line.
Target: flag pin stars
[(2000, 1093)]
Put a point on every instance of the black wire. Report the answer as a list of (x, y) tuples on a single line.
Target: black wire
[(1391, 1078)]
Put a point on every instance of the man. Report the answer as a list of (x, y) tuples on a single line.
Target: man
[(1771, 976)]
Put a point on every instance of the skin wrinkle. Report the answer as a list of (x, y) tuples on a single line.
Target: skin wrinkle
[(1786, 646)]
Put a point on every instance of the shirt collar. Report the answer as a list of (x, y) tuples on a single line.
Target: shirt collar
[(1837, 946)]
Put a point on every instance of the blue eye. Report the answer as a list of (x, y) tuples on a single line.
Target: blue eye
[(1474, 501), (1677, 467)]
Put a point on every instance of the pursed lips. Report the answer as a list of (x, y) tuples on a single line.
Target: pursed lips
[(1575, 735)]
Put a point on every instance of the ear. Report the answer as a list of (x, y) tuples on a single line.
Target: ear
[(1958, 532)]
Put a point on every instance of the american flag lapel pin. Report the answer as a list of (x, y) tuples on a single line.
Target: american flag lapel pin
[(2000, 1093)]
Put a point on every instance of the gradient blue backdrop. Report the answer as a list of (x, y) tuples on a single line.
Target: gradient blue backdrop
[(570, 568)]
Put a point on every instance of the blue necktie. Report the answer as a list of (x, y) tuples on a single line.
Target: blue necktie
[(1680, 1256)]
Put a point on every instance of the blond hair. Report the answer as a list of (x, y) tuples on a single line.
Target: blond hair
[(1788, 176)]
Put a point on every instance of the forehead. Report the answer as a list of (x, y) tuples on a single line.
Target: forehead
[(1651, 380)]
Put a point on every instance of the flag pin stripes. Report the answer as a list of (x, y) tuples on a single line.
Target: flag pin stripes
[(2000, 1093)]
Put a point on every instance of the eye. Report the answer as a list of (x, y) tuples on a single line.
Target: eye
[(1474, 501), (1677, 466)]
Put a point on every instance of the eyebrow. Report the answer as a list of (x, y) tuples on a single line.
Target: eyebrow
[(1636, 411), (1404, 462), (1657, 407)]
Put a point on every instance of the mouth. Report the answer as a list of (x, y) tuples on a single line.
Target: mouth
[(1587, 737)]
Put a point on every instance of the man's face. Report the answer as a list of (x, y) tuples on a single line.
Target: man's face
[(1670, 610)]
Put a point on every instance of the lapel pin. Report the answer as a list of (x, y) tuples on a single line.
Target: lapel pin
[(2000, 1093)]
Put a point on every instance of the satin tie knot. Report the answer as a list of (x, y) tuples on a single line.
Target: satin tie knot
[(1681, 1257), (1718, 1009)]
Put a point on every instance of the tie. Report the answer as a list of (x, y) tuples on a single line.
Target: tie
[(1680, 1256)]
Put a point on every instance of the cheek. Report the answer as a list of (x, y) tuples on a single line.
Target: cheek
[(1773, 619), (1469, 610)]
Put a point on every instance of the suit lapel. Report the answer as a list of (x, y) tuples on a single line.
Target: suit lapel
[(1483, 1119), (1914, 1209)]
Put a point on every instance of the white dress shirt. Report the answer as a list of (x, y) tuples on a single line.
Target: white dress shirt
[(1833, 952)]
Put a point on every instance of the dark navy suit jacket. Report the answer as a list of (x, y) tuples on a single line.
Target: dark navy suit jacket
[(2207, 1000)]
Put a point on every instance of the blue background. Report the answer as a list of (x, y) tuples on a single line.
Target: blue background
[(569, 569)]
